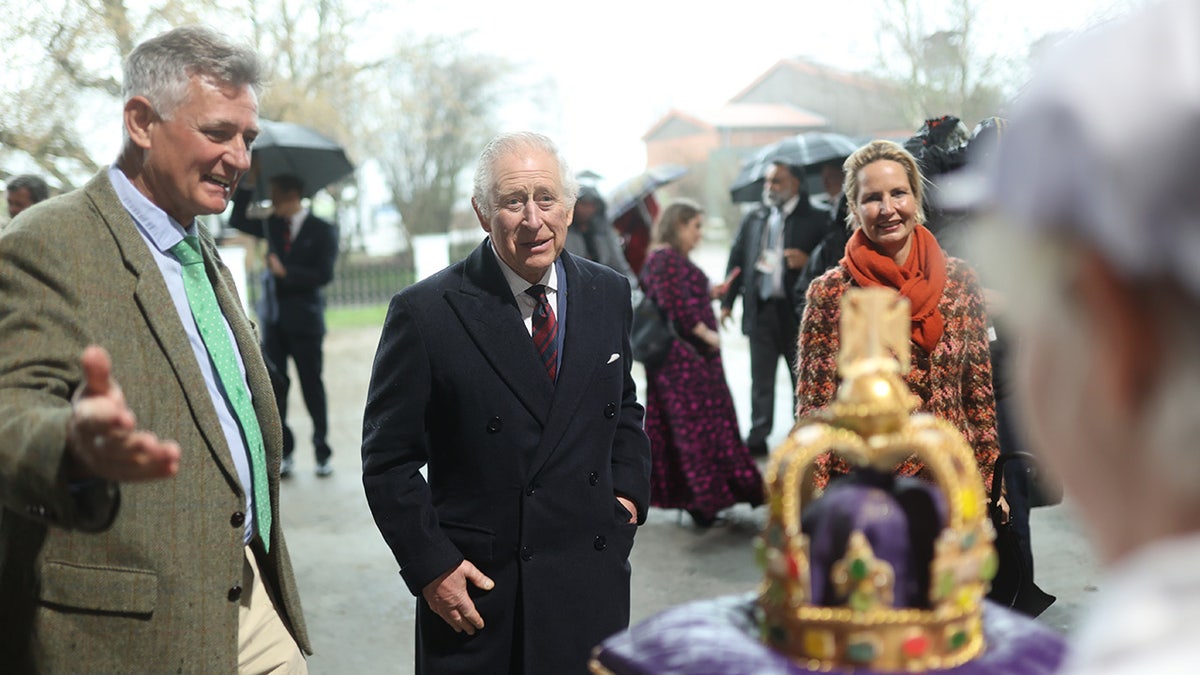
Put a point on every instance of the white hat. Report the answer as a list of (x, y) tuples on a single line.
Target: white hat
[(1106, 144)]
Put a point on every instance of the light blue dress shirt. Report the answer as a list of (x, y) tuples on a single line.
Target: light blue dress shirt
[(161, 232)]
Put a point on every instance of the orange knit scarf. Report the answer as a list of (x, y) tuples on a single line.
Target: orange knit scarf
[(921, 279)]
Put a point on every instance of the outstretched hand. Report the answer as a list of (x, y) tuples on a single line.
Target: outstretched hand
[(718, 291), (102, 434), (448, 597)]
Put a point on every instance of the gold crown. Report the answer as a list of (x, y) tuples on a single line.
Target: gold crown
[(871, 424)]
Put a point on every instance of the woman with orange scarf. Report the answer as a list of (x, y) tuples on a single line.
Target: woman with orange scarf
[(951, 369)]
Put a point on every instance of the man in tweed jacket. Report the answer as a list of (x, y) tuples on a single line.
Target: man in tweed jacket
[(130, 544)]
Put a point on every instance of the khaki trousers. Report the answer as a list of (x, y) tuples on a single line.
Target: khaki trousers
[(264, 643)]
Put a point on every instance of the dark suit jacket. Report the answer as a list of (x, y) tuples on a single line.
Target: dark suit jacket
[(826, 255), (144, 589), (522, 472), (803, 229), (299, 307)]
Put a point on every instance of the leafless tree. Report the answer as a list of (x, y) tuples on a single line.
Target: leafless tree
[(941, 71), (437, 106), (62, 61)]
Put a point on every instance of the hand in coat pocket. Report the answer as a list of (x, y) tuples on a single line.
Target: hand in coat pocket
[(449, 598)]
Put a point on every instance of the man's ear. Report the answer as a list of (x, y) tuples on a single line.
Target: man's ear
[(139, 119), (483, 222), (1124, 329)]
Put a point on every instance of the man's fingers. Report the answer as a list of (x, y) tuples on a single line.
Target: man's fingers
[(472, 621), (128, 456), (97, 370), (478, 578), (154, 458)]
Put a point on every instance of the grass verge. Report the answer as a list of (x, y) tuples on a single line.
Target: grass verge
[(341, 318)]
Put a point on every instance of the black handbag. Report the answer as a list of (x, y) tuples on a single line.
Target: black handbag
[(1013, 585), (652, 333)]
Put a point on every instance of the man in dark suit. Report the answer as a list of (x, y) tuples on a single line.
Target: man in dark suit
[(829, 251), (507, 375), (770, 248), (121, 551), (301, 252)]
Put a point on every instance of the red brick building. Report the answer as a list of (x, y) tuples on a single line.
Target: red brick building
[(793, 96)]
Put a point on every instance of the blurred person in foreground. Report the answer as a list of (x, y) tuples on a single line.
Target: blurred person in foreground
[(951, 369), (1094, 194), (23, 192), (301, 252), (507, 377), (141, 530), (700, 462), (770, 248)]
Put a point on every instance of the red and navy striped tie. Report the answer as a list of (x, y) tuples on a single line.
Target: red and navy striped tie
[(545, 329)]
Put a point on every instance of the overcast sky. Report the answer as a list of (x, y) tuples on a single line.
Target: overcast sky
[(610, 70)]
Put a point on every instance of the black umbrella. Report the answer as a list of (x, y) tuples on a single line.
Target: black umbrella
[(804, 151), (283, 147)]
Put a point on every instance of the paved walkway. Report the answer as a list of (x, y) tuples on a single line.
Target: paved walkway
[(360, 614)]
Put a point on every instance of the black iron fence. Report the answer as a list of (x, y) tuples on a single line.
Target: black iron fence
[(358, 280), (368, 280)]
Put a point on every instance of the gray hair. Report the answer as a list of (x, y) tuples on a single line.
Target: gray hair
[(37, 188), (161, 68), (1041, 285), (510, 143)]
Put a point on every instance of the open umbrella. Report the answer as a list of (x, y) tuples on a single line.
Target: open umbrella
[(805, 150), (283, 147), (632, 209), (630, 192)]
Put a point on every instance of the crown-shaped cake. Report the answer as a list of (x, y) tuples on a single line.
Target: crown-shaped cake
[(877, 573)]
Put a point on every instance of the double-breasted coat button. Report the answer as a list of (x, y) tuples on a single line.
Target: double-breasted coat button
[(530, 490), (235, 593), (526, 554), (600, 543), (610, 410), (593, 478), (495, 425), (237, 519)]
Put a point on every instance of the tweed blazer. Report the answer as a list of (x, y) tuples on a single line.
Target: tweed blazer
[(141, 578), (953, 383)]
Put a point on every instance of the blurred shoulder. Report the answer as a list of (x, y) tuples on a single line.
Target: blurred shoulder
[(660, 255), (824, 294), (449, 278), (835, 280), (590, 269), (959, 271)]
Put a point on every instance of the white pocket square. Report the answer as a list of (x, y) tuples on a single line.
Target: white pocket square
[(612, 358)]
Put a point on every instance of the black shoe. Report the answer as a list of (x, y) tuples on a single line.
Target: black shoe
[(702, 520), (285, 467)]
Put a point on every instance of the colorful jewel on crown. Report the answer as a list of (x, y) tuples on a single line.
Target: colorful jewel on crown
[(872, 424)]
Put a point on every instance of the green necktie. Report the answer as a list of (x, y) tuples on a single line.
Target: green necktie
[(208, 317)]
